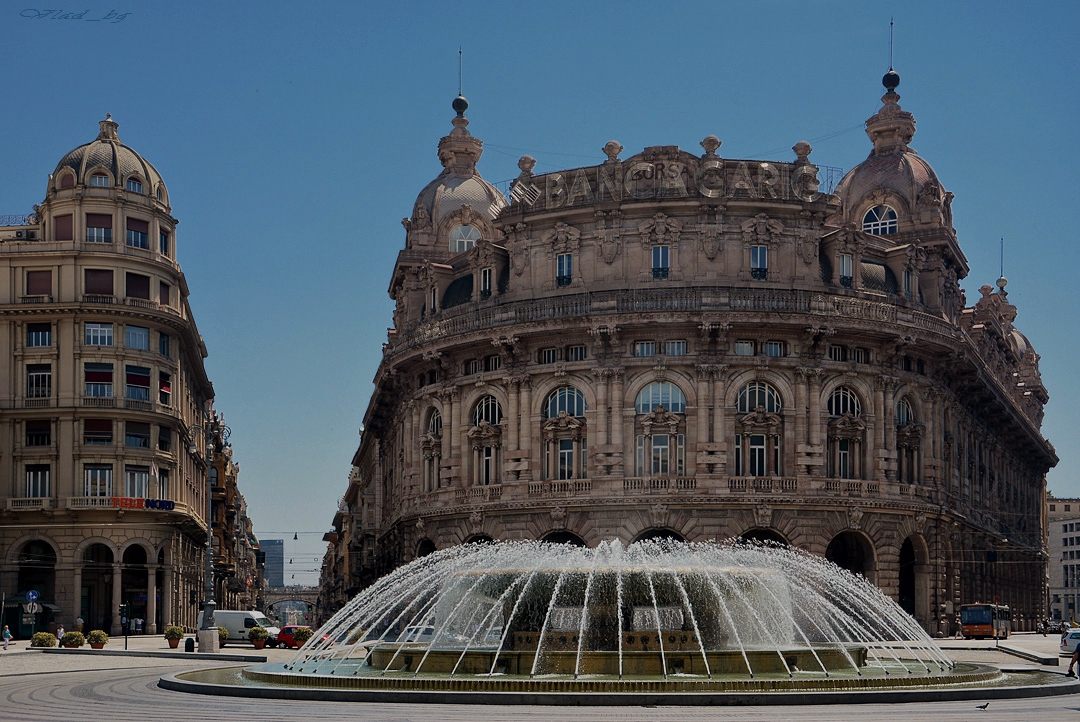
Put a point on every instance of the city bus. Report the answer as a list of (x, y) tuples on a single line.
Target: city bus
[(985, 620)]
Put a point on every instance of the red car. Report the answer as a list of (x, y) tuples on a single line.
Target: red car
[(285, 636)]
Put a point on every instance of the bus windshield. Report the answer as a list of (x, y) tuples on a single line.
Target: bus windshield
[(975, 615)]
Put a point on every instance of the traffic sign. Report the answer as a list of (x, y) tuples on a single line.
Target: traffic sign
[(33, 608), (31, 596)]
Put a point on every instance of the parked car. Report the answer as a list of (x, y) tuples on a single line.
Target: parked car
[(1069, 642), (238, 622), (285, 636)]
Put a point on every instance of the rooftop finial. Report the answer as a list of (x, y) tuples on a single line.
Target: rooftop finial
[(108, 129), (892, 78)]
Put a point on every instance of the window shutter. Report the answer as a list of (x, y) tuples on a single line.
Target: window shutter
[(65, 227), (138, 286), (163, 294), (99, 282), (98, 220), (99, 373), (39, 283), (99, 425), (138, 376), (134, 224)]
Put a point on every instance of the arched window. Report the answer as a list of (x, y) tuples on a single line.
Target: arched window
[(880, 221), (134, 184), (564, 437), (566, 399), (661, 393), (759, 431), (844, 401), (755, 394), (431, 449), (846, 435), (904, 414), (435, 424), (489, 410), (462, 238)]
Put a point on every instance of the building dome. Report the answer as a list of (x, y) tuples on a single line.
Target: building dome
[(894, 175), (459, 184), (107, 154)]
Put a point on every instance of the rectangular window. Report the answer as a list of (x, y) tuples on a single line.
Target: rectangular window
[(837, 353), (164, 388), (39, 334), (548, 356), (97, 432), (163, 344), (576, 353), (487, 465), (138, 383), (163, 484), (137, 337), (640, 466), (99, 181), (133, 185), (675, 348), (163, 243), (39, 432), (472, 366), (485, 282), (164, 438), (757, 455), (759, 262), (738, 455), (493, 363), (97, 480), (843, 261), (137, 481), (860, 355), (661, 454), (164, 294), (644, 348), (138, 233), (434, 300), (98, 228), (37, 481), (661, 261), (908, 283), (98, 282), (138, 286), (137, 434), (99, 334), (39, 283), (564, 271), (65, 227), (99, 379), (38, 381), (744, 348), (843, 459), (774, 349), (566, 458)]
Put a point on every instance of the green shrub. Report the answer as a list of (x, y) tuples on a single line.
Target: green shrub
[(257, 633), (301, 635), (43, 639), (72, 639), (223, 635), (97, 636), (174, 632)]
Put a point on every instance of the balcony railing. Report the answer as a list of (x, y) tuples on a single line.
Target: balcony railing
[(759, 274), (98, 298), (661, 272), (34, 504), (35, 299), (99, 402), (138, 405), (44, 403), (563, 281)]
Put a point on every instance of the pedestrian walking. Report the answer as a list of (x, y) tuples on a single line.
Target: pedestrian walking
[(59, 631), (7, 637), (138, 625), (1072, 662)]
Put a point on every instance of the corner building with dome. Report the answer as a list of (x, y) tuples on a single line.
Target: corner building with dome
[(668, 344), (107, 433)]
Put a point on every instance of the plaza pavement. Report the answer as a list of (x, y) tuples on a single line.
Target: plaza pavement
[(48, 687)]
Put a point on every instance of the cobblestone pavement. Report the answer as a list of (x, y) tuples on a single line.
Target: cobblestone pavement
[(36, 687)]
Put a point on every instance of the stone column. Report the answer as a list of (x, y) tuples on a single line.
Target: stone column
[(800, 410), (617, 407), (814, 406), (876, 451), (116, 580), (601, 415), (167, 597), (151, 599), (77, 594), (454, 398), (704, 398), (719, 390), (525, 434), (512, 391)]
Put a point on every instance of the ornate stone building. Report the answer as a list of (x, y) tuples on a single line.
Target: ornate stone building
[(672, 344), (106, 426)]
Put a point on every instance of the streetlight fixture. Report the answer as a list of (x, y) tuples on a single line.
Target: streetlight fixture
[(208, 634)]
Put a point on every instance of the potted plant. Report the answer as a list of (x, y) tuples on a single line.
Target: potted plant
[(301, 635), (72, 640), (258, 636), (223, 636), (174, 634), (43, 639), (97, 638)]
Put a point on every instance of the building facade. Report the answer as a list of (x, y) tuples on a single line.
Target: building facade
[(274, 549), (1063, 537), (107, 434), (689, 346)]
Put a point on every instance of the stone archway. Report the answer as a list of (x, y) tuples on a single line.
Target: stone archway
[(914, 578), (96, 593), (563, 537), (659, 535), (425, 547), (479, 539), (133, 585), (763, 535), (854, 552)]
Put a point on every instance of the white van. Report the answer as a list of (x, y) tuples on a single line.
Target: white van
[(238, 622)]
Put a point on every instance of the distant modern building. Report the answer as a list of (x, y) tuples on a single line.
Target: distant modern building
[(1063, 536), (107, 431), (696, 347), (275, 561)]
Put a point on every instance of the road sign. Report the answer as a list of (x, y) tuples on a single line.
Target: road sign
[(32, 608), (31, 596)]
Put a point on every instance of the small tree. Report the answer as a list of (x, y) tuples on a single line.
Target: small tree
[(96, 636), (72, 639), (223, 635), (174, 632), (43, 639)]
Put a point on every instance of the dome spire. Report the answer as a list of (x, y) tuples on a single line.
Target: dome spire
[(892, 127), (108, 129), (460, 151)]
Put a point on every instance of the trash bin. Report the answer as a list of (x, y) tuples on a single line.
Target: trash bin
[(189, 644)]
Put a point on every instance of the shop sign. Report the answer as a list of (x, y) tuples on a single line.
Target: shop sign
[(124, 502)]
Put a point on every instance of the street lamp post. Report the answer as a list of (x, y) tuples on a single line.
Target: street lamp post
[(208, 634)]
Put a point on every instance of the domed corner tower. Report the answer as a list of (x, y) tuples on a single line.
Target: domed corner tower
[(897, 215), (108, 381), (453, 252)]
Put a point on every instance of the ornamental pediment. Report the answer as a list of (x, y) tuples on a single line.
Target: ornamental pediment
[(847, 426), (760, 419), (564, 423), (484, 431)]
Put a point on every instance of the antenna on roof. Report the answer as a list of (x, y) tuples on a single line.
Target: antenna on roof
[(459, 71), (1003, 255), (890, 42)]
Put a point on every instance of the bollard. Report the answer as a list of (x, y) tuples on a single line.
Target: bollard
[(189, 644)]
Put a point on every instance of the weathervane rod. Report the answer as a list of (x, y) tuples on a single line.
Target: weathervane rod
[(890, 42), (1002, 256), (459, 71)]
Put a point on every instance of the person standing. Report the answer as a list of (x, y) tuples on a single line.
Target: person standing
[(1072, 661), (7, 637), (59, 631)]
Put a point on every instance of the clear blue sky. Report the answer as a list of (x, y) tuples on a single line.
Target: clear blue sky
[(293, 138)]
